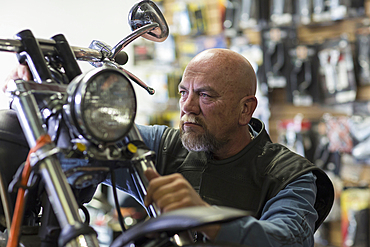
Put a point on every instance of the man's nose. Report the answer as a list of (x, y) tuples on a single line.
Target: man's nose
[(191, 104)]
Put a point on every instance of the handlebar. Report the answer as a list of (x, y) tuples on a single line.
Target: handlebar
[(48, 48)]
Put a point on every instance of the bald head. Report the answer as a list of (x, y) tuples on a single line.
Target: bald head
[(229, 66)]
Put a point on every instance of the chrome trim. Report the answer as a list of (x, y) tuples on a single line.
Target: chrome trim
[(139, 32)]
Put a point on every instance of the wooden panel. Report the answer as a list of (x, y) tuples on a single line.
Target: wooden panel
[(363, 93), (318, 33), (253, 36), (282, 110)]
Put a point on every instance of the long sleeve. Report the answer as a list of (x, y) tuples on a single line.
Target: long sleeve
[(152, 135), (288, 219)]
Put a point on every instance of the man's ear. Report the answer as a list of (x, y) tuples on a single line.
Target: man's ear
[(248, 106)]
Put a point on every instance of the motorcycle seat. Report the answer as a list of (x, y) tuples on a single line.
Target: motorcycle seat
[(10, 129)]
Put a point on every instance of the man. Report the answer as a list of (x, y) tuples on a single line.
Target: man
[(223, 156)]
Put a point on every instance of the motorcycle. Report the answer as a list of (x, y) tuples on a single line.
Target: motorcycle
[(87, 119)]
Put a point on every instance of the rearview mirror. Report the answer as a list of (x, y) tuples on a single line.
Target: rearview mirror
[(145, 13)]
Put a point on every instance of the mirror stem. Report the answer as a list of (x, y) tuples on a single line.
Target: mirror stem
[(138, 32)]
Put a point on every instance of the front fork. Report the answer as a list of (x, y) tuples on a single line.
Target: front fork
[(74, 231), (142, 161)]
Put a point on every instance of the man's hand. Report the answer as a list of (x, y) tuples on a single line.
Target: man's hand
[(171, 192), (19, 72), (174, 192)]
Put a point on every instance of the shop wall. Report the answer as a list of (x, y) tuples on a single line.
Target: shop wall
[(313, 74)]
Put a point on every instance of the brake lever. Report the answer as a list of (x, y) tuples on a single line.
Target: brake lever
[(111, 54), (150, 90)]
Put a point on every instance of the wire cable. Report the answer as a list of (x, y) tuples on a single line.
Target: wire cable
[(15, 228), (120, 217)]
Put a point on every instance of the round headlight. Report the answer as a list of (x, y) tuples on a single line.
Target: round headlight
[(103, 105)]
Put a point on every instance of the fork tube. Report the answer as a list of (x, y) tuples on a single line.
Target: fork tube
[(59, 192), (141, 161), (30, 120), (61, 196)]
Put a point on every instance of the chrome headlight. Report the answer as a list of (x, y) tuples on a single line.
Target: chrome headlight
[(102, 105)]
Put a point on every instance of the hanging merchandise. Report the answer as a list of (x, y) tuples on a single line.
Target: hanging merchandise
[(338, 9), (249, 14), (355, 217), (197, 17), (361, 108), (360, 130), (294, 134), (253, 53), (328, 10), (311, 140), (281, 12), (336, 71), (333, 140), (263, 13), (338, 132), (239, 15), (324, 158), (188, 48), (321, 11), (333, 10), (275, 45), (303, 87), (356, 8), (304, 11), (232, 17), (181, 19), (363, 56)]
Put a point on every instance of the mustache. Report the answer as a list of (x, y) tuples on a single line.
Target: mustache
[(191, 119)]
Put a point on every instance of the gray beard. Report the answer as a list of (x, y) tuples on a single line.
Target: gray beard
[(206, 142)]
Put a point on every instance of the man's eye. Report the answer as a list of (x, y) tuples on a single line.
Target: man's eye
[(182, 93), (203, 95)]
